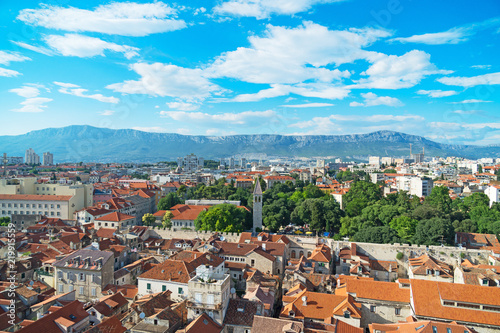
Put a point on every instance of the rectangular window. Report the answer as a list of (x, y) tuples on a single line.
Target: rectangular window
[(397, 311), (70, 287), (93, 292), (148, 286), (179, 291), (164, 288), (61, 288), (373, 308), (210, 299), (81, 291), (198, 297), (82, 276)]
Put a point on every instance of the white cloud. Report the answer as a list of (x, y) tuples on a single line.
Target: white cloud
[(261, 9), (318, 90), (485, 79), (8, 72), (370, 99), (292, 55), (117, 18), (181, 106), (84, 46), (471, 101), (107, 113), (452, 36), (481, 66), (33, 105), (355, 123), (32, 102), (247, 118), (75, 90), (66, 85), (39, 49), (26, 91), (466, 112), (308, 105), (395, 72), (154, 129), (437, 93), (168, 80), (6, 57)]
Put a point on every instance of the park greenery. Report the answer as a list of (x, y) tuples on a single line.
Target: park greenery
[(366, 215)]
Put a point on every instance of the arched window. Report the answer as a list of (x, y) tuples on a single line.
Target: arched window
[(293, 254), (301, 254), (308, 254)]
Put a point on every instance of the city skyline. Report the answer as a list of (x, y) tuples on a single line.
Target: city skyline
[(253, 67)]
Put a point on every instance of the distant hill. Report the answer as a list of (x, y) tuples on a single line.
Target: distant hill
[(87, 143)]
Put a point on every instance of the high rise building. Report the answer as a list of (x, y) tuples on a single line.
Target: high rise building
[(190, 163), (31, 157), (48, 158)]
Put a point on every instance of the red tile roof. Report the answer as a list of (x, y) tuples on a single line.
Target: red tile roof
[(428, 298), (115, 217)]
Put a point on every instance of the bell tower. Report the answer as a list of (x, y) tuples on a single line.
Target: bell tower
[(257, 206)]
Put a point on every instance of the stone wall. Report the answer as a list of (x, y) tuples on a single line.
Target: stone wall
[(448, 254), (190, 234)]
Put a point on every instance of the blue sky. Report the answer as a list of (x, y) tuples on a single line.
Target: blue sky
[(429, 68)]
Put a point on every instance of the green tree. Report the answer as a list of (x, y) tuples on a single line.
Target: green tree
[(320, 214), (360, 195), (440, 199), (381, 235), (465, 226), (432, 231), (166, 220), (169, 201), (148, 219), (4, 221), (225, 218), (404, 226)]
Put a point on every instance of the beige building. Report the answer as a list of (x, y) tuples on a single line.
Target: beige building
[(26, 196), (209, 292), (86, 271)]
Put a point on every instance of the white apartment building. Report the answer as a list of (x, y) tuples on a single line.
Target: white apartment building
[(190, 163), (493, 193), (209, 292), (47, 159), (414, 185)]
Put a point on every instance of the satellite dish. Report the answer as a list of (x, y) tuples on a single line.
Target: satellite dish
[(222, 238), (142, 315), (233, 291), (31, 283)]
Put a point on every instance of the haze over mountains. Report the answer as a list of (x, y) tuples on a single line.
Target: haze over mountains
[(86, 143)]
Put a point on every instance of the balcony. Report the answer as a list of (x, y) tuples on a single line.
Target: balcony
[(43, 272), (200, 305)]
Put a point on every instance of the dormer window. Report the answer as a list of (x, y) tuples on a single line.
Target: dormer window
[(291, 314), (485, 282), (347, 314)]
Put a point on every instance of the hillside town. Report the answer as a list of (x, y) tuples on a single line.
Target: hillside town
[(241, 245)]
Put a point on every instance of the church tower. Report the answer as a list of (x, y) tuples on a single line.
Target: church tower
[(257, 206)]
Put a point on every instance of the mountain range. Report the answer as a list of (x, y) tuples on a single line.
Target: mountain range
[(91, 144)]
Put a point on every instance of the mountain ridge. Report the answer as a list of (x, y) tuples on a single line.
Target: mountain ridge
[(88, 143)]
